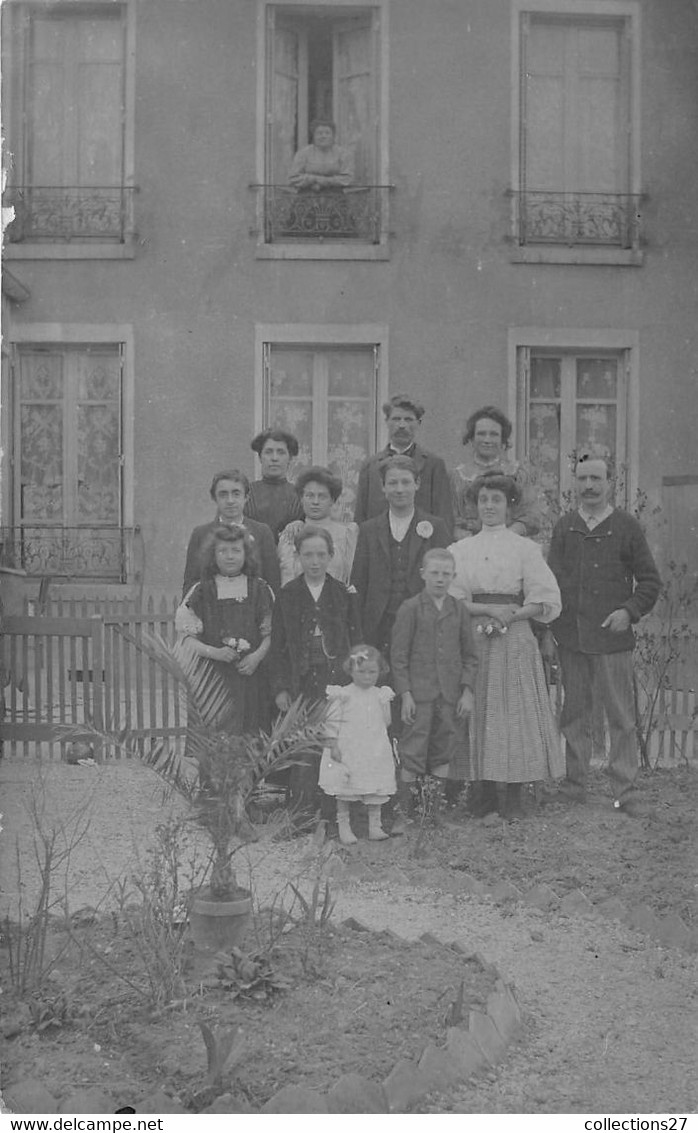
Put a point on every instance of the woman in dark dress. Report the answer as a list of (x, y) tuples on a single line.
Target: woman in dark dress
[(233, 606), (273, 499)]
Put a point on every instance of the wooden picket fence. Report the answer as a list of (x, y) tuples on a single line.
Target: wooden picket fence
[(76, 661), (674, 737), (80, 661)]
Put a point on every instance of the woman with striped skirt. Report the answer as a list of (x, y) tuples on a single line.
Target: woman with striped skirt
[(504, 582)]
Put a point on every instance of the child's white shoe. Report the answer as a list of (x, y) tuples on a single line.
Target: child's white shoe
[(346, 834), (376, 833)]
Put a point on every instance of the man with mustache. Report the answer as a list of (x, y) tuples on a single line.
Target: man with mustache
[(403, 416), (608, 581)]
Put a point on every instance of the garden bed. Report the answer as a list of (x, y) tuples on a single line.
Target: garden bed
[(354, 1002)]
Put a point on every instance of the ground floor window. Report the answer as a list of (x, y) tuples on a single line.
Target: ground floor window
[(67, 461), (569, 398), (328, 396)]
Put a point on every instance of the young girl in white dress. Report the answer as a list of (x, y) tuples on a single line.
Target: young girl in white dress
[(358, 766)]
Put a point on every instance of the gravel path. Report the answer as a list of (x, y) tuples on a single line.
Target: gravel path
[(612, 1018)]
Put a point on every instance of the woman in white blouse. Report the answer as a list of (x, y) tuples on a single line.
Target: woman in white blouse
[(504, 582), (318, 491)]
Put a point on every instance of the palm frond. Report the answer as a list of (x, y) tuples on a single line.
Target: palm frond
[(220, 772), (200, 686)]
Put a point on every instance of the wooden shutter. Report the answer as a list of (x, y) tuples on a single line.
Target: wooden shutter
[(286, 89), (99, 100), (355, 93), (51, 140), (574, 105), (75, 100), (523, 372)]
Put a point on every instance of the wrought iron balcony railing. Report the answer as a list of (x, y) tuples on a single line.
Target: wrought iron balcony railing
[(82, 214), (355, 213), (99, 553), (610, 219)]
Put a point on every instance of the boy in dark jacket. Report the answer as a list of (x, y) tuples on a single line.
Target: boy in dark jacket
[(433, 661)]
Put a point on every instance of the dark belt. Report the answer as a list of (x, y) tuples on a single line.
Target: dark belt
[(499, 599)]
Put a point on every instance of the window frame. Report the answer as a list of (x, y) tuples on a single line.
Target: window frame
[(15, 127), (323, 336), (565, 340), (320, 249), (72, 335), (628, 10)]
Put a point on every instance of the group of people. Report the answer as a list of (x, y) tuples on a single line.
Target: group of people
[(414, 621)]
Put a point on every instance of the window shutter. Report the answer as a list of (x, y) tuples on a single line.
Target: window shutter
[(597, 131), (523, 383), (544, 102), (283, 92), (50, 134), (266, 384), (75, 100), (354, 71), (99, 100), (523, 105)]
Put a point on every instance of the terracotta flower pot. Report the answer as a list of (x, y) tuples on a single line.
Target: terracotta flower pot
[(217, 925)]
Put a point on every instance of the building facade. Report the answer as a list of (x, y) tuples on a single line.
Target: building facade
[(518, 229)]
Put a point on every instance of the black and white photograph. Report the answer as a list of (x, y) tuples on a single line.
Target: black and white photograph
[(349, 561)]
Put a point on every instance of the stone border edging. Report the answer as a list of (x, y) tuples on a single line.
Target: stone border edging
[(468, 1051)]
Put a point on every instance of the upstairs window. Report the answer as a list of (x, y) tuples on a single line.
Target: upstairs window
[(67, 123), (323, 63), (576, 160)]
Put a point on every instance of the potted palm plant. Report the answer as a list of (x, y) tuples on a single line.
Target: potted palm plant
[(217, 776)]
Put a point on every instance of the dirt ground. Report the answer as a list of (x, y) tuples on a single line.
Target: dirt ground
[(611, 1017)]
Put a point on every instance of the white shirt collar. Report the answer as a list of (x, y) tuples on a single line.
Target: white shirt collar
[(315, 588), (593, 519), (399, 525)]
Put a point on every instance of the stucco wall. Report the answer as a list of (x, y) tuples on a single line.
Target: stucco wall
[(449, 292)]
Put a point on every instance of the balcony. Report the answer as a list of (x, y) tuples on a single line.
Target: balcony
[(356, 214), (104, 553), (610, 220), (51, 213)]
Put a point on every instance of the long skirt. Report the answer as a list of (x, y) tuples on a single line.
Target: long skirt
[(513, 731)]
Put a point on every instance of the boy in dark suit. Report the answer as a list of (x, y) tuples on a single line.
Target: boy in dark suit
[(433, 661)]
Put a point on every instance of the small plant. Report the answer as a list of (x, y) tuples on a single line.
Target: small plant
[(156, 923), (51, 1010), (313, 923), (248, 975), (223, 1045), (26, 935), (426, 792)]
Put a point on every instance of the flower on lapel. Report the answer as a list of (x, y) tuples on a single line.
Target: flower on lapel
[(424, 529), (352, 590)]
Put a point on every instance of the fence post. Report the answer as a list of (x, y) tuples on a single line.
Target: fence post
[(98, 681)]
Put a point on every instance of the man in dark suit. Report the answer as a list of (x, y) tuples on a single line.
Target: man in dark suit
[(229, 491), (403, 417), (390, 549), (608, 581)]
